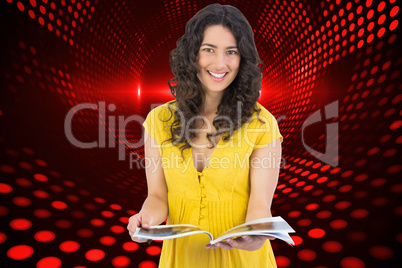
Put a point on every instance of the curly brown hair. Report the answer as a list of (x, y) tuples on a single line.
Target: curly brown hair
[(187, 89)]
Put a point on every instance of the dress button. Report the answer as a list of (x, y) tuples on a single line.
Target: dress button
[(202, 206), (203, 196), (201, 216), (201, 185)]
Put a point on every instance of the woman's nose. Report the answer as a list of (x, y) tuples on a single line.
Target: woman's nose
[(220, 60)]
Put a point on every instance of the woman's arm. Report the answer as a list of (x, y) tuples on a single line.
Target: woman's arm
[(155, 207), (264, 171)]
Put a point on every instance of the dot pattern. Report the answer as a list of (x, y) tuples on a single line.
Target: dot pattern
[(66, 206)]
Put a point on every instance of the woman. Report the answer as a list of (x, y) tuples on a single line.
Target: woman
[(218, 161)]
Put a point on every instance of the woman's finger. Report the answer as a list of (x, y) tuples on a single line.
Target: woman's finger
[(136, 239), (246, 238), (264, 237), (233, 243), (133, 222), (224, 245)]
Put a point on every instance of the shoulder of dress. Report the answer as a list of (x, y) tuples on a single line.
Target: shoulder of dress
[(264, 114), (164, 106), (164, 111)]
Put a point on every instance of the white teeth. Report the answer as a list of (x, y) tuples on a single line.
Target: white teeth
[(217, 75)]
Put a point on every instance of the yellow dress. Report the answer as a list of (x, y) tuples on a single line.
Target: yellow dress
[(215, 199)]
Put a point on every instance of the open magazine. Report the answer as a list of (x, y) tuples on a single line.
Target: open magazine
[(273, 226)]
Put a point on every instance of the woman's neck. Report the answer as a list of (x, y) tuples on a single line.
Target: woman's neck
[(211, 103)]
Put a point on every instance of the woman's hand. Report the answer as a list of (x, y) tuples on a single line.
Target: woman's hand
[(245, 242), (141, 219)]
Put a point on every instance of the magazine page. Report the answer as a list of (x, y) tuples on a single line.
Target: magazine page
[(283, 236), (272, 224), (162, 232), (265, 226)]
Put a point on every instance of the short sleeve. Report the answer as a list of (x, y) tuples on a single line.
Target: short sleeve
[(268, 132), (157, 124), (149, 124)]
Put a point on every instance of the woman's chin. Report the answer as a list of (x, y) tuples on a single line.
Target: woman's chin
[(215, 89)]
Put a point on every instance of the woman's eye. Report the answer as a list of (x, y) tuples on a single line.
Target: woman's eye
[(208, 50), (232, 52)]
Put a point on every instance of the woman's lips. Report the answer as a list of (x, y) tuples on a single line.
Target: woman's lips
[(217, 76)]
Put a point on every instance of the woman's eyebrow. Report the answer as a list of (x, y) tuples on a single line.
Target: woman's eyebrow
[(230, 47)]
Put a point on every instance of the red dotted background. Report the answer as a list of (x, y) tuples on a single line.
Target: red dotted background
[(66, 206)]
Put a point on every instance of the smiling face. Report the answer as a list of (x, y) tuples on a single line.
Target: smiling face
[(218, 59)]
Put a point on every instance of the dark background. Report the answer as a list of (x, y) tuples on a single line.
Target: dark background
[(67, 206)]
